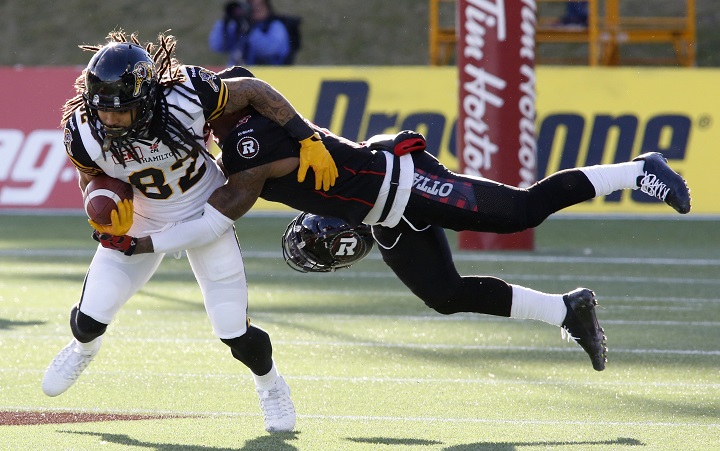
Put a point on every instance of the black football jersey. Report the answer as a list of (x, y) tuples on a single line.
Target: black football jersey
[(257, 140)]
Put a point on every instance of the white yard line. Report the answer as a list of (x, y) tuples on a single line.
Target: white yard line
[(374, 344), (400, 380), (457, 256)]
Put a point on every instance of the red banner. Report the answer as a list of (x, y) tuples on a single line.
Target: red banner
[(496, 120), (35, 172)]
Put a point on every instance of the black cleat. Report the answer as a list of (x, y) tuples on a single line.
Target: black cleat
[(663, 183), (581, 325)]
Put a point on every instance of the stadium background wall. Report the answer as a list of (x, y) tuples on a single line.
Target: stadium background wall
[(585, 116)]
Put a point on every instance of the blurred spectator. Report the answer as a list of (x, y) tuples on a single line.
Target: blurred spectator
[(228, 33), (253, 34), (268, 41), (576, 13)]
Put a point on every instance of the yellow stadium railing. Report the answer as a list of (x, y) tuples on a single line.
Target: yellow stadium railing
[(611, 25), (442, 31)]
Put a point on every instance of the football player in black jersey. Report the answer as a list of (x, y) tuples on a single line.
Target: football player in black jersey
[(409, 198)]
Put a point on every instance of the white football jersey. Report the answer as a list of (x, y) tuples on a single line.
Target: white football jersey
[(166, 189)]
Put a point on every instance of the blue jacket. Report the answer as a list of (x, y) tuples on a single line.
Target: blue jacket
[(268, 43), (227, 39)]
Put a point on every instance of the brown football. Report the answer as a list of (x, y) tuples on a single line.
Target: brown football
[(102, 195)]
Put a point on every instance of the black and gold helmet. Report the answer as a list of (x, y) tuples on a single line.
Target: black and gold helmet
[(313, 243), (121, 76)]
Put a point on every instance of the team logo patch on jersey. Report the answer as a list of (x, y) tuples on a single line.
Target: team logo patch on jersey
[(209, 78), (67, 140), (248, 147)]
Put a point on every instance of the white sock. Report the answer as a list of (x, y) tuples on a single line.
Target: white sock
[(531, 304), (266, 381), (608, 178), (90, 345)]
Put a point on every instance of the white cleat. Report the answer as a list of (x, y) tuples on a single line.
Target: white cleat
[(67, 366), (277, 407)]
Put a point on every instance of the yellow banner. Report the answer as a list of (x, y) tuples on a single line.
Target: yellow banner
[(584, 116), (617, 111)]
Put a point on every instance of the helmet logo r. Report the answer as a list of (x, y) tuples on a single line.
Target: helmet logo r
[(346, 246), (143, 73)]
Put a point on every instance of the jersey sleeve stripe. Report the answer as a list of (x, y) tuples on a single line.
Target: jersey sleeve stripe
[(222, 101), (86, 169)]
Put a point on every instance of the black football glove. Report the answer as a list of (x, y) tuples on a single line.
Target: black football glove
[(125, 243), (400, 144)]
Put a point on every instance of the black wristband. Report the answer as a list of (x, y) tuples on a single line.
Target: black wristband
[(298, 128), (131, 249)]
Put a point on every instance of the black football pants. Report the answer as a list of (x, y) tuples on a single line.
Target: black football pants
[(417, 249)]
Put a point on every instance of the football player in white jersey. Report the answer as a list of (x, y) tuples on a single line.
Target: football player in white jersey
[(138, 115)]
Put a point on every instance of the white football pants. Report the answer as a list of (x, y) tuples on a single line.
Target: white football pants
[(113, 278)]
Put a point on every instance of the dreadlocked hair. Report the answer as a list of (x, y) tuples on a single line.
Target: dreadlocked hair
[(164, 124)]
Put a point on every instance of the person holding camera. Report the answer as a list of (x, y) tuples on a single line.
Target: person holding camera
[(228, 33), (252, 34)]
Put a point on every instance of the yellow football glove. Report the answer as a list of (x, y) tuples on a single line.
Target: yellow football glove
[(120, 220), (314, 154)]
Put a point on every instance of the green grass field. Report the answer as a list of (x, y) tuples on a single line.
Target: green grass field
[(371, 368)]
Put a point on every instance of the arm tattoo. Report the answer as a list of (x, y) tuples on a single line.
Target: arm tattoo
[(261, 96)]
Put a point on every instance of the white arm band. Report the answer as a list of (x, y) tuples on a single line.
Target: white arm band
[(197, 232)]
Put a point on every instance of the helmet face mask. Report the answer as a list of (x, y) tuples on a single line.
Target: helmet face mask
[(313, 243), (120, 77)]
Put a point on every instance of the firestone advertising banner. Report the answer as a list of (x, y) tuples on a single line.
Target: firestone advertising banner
[(584, 116)]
